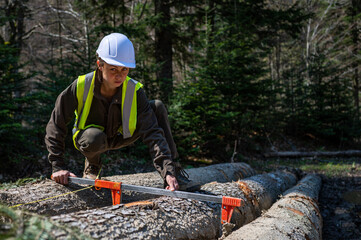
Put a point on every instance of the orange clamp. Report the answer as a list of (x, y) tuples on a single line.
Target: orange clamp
[(228, 205), (115, 187)]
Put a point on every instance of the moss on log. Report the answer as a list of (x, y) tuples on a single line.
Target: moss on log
[(295, 216), (91, 198)]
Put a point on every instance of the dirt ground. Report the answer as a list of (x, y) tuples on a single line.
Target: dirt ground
[(340, 205)]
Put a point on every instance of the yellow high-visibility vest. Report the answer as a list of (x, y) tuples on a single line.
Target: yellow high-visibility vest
[(85, 93)]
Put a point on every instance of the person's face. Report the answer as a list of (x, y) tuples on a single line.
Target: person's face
[(113, 76)]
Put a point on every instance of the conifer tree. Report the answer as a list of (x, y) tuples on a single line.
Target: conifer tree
[(15, 134), (228, 99)]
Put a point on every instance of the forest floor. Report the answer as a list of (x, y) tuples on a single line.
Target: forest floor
[(339, 199)]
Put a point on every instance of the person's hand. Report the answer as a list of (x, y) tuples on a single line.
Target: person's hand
[(172, 183), (62, 176)]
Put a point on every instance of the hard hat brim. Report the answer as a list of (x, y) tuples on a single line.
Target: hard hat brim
[(116, 63)]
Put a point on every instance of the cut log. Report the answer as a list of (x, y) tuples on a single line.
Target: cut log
[(258, 193), (90, 198), (295, 216), (349, 153), (224, 172), (175, 218), (161, 218)]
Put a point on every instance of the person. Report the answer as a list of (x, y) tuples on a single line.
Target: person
[(111, 112)]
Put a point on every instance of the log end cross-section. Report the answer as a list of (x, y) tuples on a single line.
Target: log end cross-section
[(295, 216)]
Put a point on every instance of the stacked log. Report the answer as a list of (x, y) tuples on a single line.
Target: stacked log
[(223, 172), (161, 218), (91, 198), (295, 216), (175, 218), (258, 193)]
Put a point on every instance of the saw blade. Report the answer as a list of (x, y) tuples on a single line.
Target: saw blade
[(155, 191)]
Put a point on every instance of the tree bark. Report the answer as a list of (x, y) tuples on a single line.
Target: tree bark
[(175, 218), (258, 193), (355, 10), (91, 198), (295, 216), (224, 172), (348, 153)]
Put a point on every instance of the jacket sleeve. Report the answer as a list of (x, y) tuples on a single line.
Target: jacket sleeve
[(56, 129), (153, 136)]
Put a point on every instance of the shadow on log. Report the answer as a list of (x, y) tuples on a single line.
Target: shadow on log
[(90, 198), (295, 216), (175, 218)]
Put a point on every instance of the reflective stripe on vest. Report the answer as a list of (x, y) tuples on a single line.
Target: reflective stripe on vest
[(85, 93)]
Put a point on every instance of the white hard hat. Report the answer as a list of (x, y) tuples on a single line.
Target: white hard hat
[(116, 49)]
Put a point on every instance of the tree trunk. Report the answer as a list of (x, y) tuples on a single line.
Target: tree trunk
[(90, 198), (14, 15), (163, 48), (175, 218), (295, 216), (348, 153), (355, 11)]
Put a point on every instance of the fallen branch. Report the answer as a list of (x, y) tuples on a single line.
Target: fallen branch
[(295, 216), (349, 153)]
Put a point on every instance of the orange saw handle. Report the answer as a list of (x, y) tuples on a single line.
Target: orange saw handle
[(228, 205), (115, 187)]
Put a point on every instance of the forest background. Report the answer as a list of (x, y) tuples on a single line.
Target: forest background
[(238, 77)]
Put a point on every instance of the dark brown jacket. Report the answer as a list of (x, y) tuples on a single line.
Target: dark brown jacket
[(108, 115)]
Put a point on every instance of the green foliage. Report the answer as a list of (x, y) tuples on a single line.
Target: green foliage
[(15, 137), (106, 17), (17, 224), (330, 167), (317, 90), (321, 105), (251, 69), (19, 182), (228, 97)]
